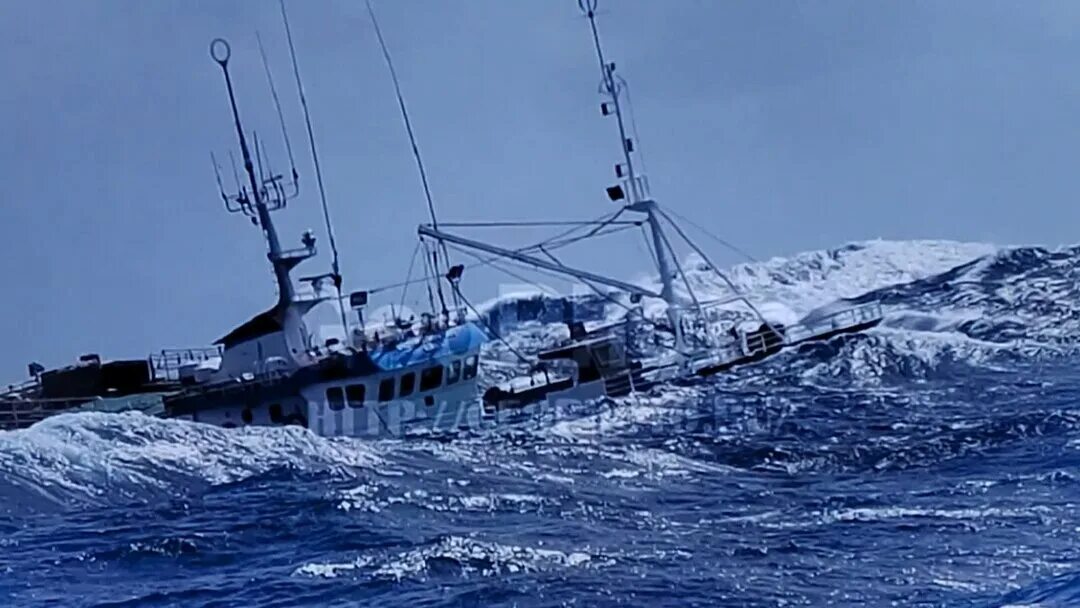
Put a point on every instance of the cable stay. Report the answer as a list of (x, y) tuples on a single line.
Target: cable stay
[(533, 224), (335, 265), (729, 245), (416, 154), (408, 275)]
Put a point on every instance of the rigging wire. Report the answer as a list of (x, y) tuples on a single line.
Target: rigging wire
[(532, 224), (633, 126), (711, 235), (277, 105), (431, 273), (598, 291), (678, 267), (551, 243), (480, 319), (492, 263), (601, 221), (716, 270), (334, 264), (412, 141), (615, 301), (408, 275)]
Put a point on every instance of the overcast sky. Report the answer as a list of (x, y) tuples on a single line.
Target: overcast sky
[(783, 126)]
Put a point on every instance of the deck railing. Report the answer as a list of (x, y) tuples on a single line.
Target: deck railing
[(856, 315), (166, 364)]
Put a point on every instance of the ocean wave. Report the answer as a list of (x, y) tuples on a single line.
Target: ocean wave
[(1062, 591), (107, 458), (455, 556)]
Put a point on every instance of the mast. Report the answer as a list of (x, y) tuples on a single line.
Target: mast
[(268, 194), (636, 187), (220, 51)]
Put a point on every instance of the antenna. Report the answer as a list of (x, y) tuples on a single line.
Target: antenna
[(612, 88), (639, 199), (281, 115), (334, 264), (264, 196)]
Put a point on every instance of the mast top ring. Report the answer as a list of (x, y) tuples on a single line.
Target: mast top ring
[(587, 6), (220, 51)]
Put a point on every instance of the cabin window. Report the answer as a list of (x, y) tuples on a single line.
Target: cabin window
[(354, 394), (247, 416), (471, 364), (408, 384), (335, 398), (431, 378), (275, 413), (386, 390), (453, 372)]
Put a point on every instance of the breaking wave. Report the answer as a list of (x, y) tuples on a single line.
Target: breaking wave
[(455, 556), (930, 460), (108, 458)]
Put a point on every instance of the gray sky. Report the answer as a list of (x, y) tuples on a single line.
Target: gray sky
[(784, 126)]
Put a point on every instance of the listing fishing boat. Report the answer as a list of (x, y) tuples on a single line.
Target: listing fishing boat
[(693, 338), (377, 379), (382, 380)]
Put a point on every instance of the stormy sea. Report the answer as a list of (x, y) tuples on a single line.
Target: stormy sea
[(932, 461)]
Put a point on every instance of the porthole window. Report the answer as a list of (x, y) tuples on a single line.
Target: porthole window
[(408, 384), (431, 378), (335, 398), (453, 372), (471, 364), (354, 394), (386, 390)]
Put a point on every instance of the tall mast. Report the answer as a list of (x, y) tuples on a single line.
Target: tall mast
[(636, 187), (256, 203)]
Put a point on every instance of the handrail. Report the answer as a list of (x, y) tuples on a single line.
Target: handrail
[(15, 389), (166, 364), (745, 345)]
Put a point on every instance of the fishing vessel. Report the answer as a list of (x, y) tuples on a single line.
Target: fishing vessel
[(694, 337), (378, 379), (383, 380)]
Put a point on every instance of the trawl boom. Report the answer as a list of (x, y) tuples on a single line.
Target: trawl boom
[(428, 231)]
